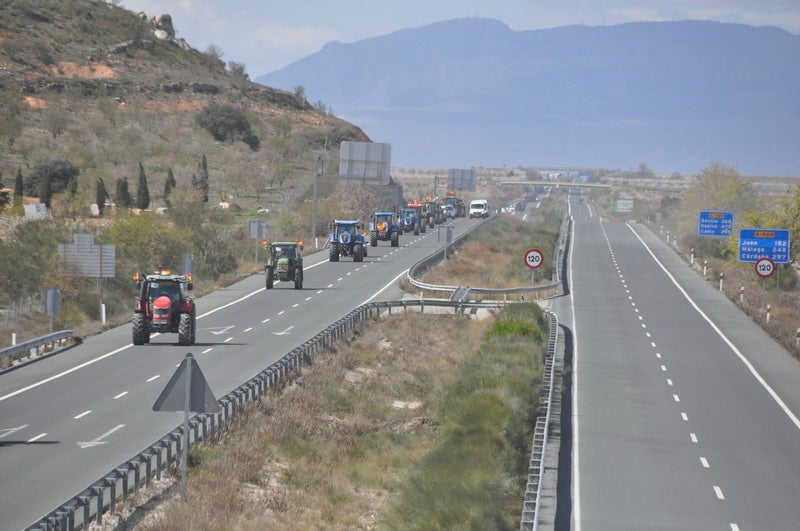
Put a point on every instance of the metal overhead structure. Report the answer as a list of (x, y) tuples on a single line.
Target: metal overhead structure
[(555, 184)]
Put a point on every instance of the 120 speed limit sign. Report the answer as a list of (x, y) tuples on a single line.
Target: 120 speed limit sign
[(533, 258), (765, 267)]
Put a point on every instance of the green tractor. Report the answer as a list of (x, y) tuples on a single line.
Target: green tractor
[(284, 263)]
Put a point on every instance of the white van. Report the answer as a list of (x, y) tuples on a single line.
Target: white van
[(479, 208)]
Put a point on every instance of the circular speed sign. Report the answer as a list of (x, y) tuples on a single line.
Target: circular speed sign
[(765, 267), (533, 258)]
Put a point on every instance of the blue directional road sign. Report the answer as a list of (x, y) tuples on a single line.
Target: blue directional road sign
[(714, 223), (755, 244)]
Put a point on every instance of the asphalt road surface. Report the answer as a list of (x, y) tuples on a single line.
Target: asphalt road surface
[(68, 419), (684, 413)]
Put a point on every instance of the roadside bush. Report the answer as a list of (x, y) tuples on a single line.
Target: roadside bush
[(226, 123), (58, 172)]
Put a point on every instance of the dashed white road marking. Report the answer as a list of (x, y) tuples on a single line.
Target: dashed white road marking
[(652, 344), (308, 298), (320, 291), (669, 382), (684, 416), (658, 355), (81, 415), (123, 393), (349, 273), (265, 320), (704, 462), (156, 377), (664, 368), (228, 340), (734, 527), (37, 437), (718, 492), (295, 305), (676, 398), (248, 329), (206, 351), (339, 279), (693, 437), (281, 312), (331, 285)]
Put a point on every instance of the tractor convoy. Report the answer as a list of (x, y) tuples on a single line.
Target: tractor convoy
[(162, 303)]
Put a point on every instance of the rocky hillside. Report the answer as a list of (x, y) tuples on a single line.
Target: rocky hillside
[(107, 89)]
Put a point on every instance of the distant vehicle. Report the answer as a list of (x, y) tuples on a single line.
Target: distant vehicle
[(284, 263), (479, 208), (347, 240), (409, 222), (383, 227), (449, 211), (457, 203)]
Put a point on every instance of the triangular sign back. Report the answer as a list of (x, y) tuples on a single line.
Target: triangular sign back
[(173, 397)]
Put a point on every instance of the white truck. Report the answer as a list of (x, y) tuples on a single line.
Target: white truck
[(479, 208)]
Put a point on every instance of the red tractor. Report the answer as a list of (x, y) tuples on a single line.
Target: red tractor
[(163, 305)]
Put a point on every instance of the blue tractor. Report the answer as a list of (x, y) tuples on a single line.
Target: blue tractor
[(383, 227), (347, 240), (409, 221)]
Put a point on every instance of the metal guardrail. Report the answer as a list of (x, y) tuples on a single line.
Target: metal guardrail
[(47, 342), (127, 478), (533, 488)]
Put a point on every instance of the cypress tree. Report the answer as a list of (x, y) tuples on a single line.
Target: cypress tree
[(101, 194), (169, 185), (142, 191), (45, 193), (122, 196), (18, 187), (200, 179)]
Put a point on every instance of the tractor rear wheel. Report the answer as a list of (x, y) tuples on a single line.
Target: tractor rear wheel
[(416, 229), (334, 254), (141, 329), (395, 240), (358, 253), (270, 273), (373, 239), (186, 329)]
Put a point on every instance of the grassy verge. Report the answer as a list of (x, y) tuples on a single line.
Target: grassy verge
[(493, 256), (423, 421)]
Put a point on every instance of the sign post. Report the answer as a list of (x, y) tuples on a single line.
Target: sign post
[(187, 391)]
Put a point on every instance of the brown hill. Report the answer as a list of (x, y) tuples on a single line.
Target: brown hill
[(106, 88)]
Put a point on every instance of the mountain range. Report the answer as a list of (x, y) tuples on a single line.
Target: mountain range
[(473, 92)]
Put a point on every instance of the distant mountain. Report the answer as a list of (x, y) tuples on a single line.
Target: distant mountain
[(466, 92)]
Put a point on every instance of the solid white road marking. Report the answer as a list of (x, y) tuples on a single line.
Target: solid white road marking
[(156, 377), (693, 437), (123, 393), (81, 415), (789, 413), (718, 492), (704, 462), (283, 333), (37, 437), (222, 330)]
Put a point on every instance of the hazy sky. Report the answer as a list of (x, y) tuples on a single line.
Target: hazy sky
[(268, 35)]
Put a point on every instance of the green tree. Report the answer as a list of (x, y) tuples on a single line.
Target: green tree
[(146, 243), (238, 70), (169, 185), (200, 178), (10, 116), (56, 119), (122, 194), (226, 123), (100, 195), (142, 191), (18, 193), (58, 173)]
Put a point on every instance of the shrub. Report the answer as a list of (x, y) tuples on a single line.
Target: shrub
[(226, 123)]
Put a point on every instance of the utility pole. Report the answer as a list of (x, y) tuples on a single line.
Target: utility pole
[(314, 185)]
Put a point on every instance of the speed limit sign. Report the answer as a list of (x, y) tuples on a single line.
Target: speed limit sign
[(765, 267), (533, 258)]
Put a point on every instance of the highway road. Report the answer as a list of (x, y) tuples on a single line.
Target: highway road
[(684, 413), (68, 419)]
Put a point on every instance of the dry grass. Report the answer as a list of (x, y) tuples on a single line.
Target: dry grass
[(331, 447)]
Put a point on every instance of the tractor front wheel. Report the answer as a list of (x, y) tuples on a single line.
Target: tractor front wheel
[(270, 277), (141, 329), (373, 239), (358, 253), (395, 240), (334, 253)]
